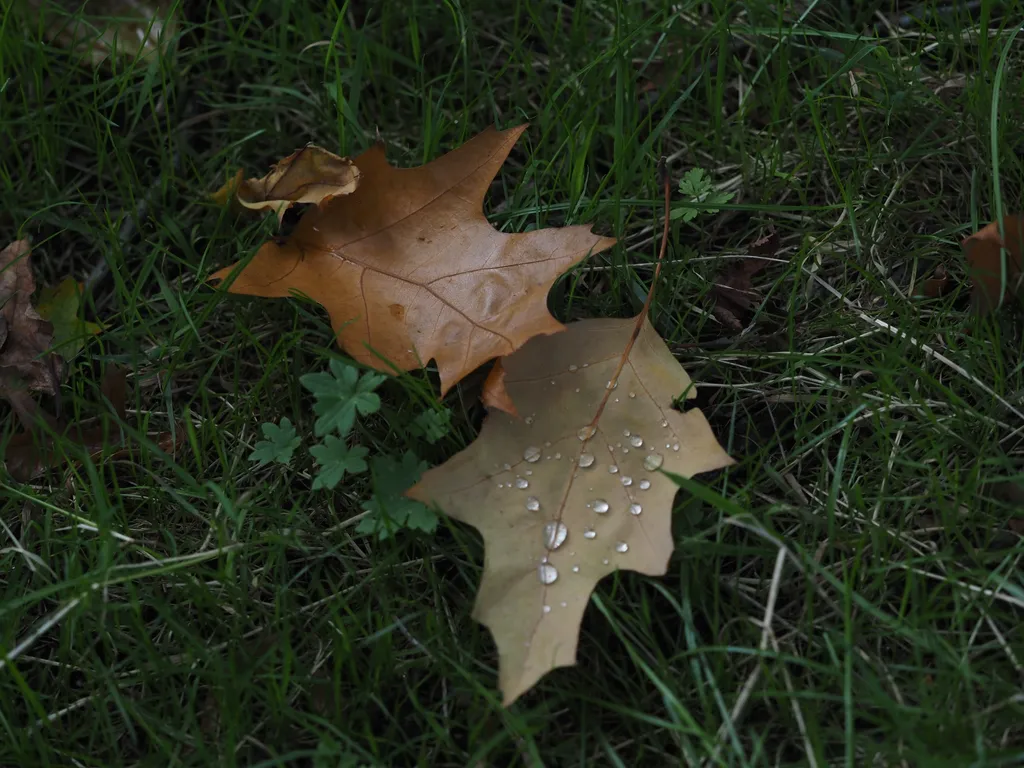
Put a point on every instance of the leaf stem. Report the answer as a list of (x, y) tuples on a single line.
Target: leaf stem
[(663, 179)]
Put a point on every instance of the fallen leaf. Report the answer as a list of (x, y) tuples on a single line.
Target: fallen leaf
[(572, 491), (25, 337), (29, 454), (100, 29), (494, 394), (60, 306), (937, 285), (767, 245), (225, 194), (309, 175), (733, 290), (985, 263), (409, 269)]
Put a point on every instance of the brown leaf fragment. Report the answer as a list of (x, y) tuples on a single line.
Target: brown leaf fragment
[(985, 264), (417, 239), (767, 245), (25, 360), (225, 193), (99, 30), (308, 175), (494, 394), (733, 291), (937, 285), (31, 453), (574, 489)]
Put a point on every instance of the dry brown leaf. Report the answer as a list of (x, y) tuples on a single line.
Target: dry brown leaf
[(494, 394), (985, 264), (309, 175), (937, 285), (733, 290), (25, 338), (225, 193), (571, 492), (101, 28), (409, 269), (29, 454)]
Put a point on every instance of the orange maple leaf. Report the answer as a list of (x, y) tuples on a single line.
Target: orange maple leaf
[(409, 269), (984, 249)]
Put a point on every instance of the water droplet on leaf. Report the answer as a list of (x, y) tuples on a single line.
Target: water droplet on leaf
[(533, 504), (652, 461), (627, 480), (532, 454), (612, 470), (600, 506), (522, 482), (586, 460), (635, 509), (585, 433), (589, 533), (645, 484), (555, 535), (547, 574), (636, 441), (547, 609), (622, 547)]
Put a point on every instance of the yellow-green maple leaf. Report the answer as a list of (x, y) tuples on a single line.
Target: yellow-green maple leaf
[(61, 305)]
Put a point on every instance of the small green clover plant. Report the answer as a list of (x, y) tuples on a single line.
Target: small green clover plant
[(341, 396), (279, 445), (697, 187), (432, 425), (388, 510), (336, 457)]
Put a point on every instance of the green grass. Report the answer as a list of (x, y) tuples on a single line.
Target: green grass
[(848, 594)]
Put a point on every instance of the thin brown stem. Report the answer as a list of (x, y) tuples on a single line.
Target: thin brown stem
[(663, 178)]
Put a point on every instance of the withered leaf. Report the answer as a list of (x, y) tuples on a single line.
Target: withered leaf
[(733, 290), (409, 269), (734, 293), (99, 29), (30, 453), (309, 175), (984, 251), (937, 285), (25, 337), (572, 491)]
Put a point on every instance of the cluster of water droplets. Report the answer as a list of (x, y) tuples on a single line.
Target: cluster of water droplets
[(556, 533)]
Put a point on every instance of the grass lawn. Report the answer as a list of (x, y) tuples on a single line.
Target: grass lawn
[(849, 593)]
